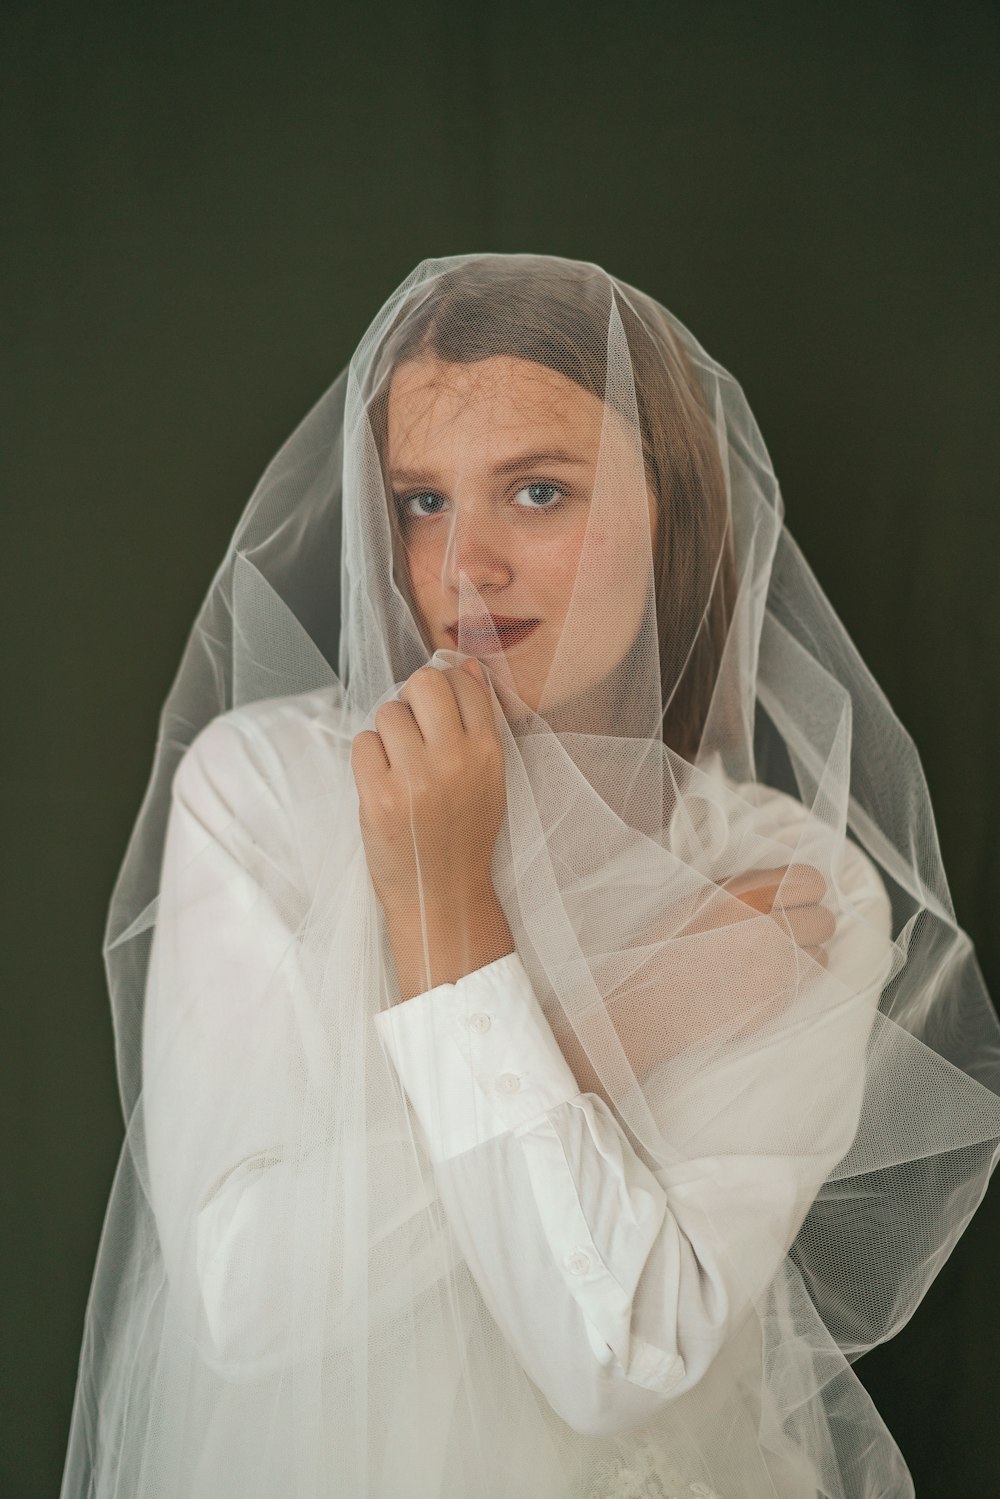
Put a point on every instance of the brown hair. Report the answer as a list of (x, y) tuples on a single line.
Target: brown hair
[(556, 313)]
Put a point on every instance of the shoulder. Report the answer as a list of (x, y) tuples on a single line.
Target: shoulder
[(259, 747)]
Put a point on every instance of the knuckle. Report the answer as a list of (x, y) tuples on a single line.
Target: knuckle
[(389, 710), (424, 676), (360, 746)]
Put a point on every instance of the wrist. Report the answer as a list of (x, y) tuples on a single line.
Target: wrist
[(471, 903), (447, 939)]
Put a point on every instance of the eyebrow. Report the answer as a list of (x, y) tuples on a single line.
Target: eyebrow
[(508, 466)]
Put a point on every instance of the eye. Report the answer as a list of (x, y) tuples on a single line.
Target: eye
[(542, 484), (540, 489), (404, 500)]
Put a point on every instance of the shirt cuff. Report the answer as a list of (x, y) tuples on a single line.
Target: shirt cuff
[(477, 1058)]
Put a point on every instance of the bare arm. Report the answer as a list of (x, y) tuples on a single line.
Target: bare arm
[(459, 940)]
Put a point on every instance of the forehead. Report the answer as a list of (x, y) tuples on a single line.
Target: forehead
[(434, 406)]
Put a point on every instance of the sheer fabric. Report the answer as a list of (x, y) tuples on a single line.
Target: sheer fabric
[(615, 1212)]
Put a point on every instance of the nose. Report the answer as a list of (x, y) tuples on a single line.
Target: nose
[(477, 548)]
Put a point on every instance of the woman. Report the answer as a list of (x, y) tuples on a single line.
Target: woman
[(549, 1054)]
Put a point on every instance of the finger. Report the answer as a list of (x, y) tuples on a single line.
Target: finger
[(760, 899), (808, 925), (368, 751), (717, 907), (369, 761), (401, 738), (789, 885), (431, 698), (801, 885), (755, 881), (756, 888), (474, 702)]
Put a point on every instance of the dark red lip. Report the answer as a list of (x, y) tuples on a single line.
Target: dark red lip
[(506, 634)]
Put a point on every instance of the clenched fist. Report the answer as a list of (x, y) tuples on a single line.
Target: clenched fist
[(432, 789)]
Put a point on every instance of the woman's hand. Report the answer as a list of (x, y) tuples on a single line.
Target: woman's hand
[(790, 893), (726, 972), (698, 985), (432, 788)]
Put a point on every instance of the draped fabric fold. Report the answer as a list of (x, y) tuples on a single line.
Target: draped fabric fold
[(612, 1213)]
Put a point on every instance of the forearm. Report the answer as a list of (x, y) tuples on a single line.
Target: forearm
[(462, 937)]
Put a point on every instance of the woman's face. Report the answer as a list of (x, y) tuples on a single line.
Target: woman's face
[(492, 469)]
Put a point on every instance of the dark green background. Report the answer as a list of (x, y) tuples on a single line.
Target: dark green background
[(203, 208)]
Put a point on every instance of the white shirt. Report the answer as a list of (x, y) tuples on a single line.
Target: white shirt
[(615, 1286)]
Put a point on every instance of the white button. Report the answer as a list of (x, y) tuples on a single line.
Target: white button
[(508, 1082), (480, 1022), (578, 1262)]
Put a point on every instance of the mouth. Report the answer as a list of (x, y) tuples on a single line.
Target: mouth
[(508, 632)]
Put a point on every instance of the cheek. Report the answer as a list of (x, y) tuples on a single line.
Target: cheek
[(554, 568), (423, 570), (609, 566)]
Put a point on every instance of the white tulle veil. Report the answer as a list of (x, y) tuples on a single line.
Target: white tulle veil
[(359, 1352)]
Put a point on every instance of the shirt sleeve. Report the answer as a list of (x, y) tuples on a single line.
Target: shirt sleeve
[(617, 1286), (245, 1196), (217, 1095)]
